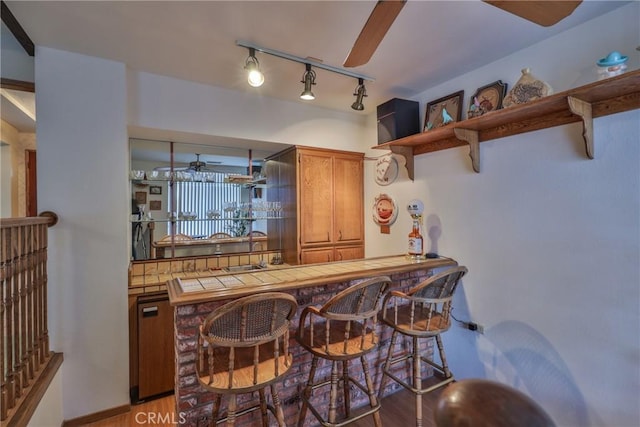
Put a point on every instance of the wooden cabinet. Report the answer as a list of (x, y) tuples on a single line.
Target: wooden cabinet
[(343, 253), (315, 188), (322, 192), (152, 354), (337, 253)]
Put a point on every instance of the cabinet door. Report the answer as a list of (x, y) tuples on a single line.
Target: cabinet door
[(155, 347), (349, 252), (316, 197), (348, 201), (315, 256)]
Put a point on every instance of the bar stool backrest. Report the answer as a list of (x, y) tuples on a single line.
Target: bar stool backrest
[(429, 304), (176, 237), (345, 326), (249, 322), (220, 235), (360, 301)]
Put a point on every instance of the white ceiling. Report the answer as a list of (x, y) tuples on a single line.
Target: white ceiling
[(429, 42)]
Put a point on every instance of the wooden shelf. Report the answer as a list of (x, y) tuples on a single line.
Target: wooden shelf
[(613, 95)]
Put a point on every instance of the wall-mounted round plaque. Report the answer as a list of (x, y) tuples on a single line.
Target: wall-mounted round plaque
[(386, 170), (385, 210)]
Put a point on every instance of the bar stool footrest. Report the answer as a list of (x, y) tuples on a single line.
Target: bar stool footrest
[(419, 390), (343, 422), (246, 411)]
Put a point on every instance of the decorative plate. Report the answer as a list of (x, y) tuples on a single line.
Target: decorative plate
[(386, 169), (385, 210)]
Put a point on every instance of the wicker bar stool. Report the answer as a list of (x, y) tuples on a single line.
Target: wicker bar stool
[(479, 403), (243, 346), (343, 329), (422, 312)]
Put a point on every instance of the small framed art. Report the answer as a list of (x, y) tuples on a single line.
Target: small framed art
[(443, 111), (487, 98), (141, 197), (155, 189), (155, 205)]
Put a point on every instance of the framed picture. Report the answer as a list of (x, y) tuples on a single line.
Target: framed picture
[(155, 189), (155, 205), (141, 197), (487, 98), (443, 111)]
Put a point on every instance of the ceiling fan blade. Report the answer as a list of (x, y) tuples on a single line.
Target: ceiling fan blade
[(545, 13), (374, 30)]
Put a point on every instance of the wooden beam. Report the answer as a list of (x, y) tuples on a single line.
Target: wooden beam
[(16, 29), (17, 85)]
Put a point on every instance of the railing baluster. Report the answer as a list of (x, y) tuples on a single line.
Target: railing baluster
[(15, 321), (4, 325), (32, 230), (24, 269), (23, 307)]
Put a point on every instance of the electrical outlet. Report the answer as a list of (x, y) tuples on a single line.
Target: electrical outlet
[(472, 326)]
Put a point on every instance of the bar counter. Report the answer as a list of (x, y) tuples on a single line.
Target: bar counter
[(276, 278), (194, 298)]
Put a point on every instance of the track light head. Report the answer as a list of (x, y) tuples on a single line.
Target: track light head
[(360, 92), (255, 77), (309, 79)]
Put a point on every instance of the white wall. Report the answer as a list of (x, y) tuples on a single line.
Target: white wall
[(9, 139), (49, 410), (551, 240), (166, 103), (83, 177)]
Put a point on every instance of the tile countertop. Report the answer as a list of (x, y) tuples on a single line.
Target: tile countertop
[(192, 290)]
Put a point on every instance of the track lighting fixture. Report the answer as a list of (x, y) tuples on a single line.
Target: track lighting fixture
[(309, 79), (360, 92), (254, 76)]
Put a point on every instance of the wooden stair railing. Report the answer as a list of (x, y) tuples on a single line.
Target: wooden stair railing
[(23, 316)]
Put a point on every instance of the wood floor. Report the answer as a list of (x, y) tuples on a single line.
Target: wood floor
[(397, 410)]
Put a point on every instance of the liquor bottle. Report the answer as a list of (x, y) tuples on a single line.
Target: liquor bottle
[(415, 240)]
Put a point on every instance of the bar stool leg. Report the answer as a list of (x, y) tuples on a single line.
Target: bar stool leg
[(417, 381), (307, 392), (333, 395), (216, 410), (443, 358), (387, 363), (373, 400), (263, 408), (277, 406), (231, 414), (345, 385)]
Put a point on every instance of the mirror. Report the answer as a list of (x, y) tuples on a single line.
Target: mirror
[(192, 199)]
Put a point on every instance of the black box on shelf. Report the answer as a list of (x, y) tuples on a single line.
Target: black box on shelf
[(398, 118)]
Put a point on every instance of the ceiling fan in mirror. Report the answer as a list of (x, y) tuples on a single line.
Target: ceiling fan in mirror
[(545, 13), (194, 166)]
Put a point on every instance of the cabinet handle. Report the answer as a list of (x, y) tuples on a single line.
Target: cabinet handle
[(328, 258), (339, 235), (150, 311), (328, 237)]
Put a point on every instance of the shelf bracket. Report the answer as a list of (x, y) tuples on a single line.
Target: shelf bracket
[(407, 153), (470, 136), (583, 109)]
